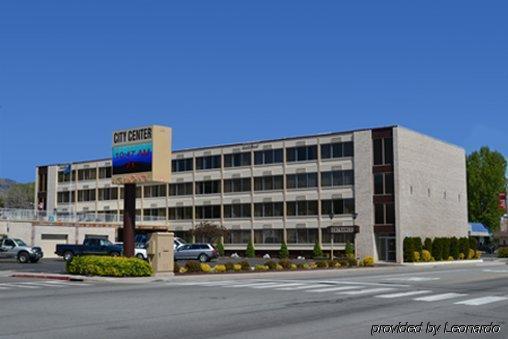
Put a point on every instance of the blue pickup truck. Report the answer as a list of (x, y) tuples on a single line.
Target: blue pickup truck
[(91, 246)]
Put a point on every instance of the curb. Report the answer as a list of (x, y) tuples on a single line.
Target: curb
[(46, 276), (434, 263)]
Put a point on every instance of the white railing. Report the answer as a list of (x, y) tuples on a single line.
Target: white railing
[(34, 215)]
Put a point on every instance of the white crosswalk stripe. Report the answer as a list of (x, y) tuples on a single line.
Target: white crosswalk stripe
[(276, 285), (402, 294), (367, 291), (481, 301), (304, 287), (251, 284), (438, 297), (17, 285), (332, 289), (39, 284)]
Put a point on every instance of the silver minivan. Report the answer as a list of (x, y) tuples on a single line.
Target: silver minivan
[(201, 252)]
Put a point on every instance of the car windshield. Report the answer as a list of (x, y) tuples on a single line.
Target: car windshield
[(20, 242)]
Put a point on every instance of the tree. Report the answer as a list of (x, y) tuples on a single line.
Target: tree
[(454, 248), (250, 252), (283, 252), (417, 243), (350, 250), (409, 249), (485, 180), (437, 249), (220, 247), (427, 244), (20, 196), (445, 248), (209, 232), (317, 252)]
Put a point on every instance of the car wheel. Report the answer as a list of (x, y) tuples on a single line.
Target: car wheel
[(203, 257), (114, 254), (23, 257), (68, 256), (140, 256)]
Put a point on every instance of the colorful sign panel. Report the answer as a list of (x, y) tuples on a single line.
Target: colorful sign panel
[(128, 159)]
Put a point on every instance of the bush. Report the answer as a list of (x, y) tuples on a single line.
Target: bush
[(416, 256), (279, 268), (426, 256), (502, 252), (334, 263), (193, 266), (461, 256), (313, 266), (409, 249), (464, 245), (471, 254), (220, 247), (245, 265), (473, 244), (293, 267), (272, 265), (445, 248), (343, 262), (261, 268), (230, 266), (283, 252), (454, 248), (477, 254), (427, 244), (450, 258), (250, 252), (205, 268), (176, 268), (285, 264), (437, 249), (322, 264), (182, 270), (417, 243), (237, 267), (369, 261), (303, 266), (317, 252), (350, 249), (109, 266), (220, 268), (351, 261)]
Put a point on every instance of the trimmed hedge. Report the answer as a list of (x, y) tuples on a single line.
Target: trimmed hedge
[(439, 249), (109, 266), (502, 252)]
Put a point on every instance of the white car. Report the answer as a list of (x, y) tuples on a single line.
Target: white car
[(177, 242), (139, 252)]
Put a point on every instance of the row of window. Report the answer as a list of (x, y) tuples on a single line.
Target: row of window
[(264, 209), (293, 236), (84, 174)]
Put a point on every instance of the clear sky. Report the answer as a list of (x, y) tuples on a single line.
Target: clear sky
[(71, 72)]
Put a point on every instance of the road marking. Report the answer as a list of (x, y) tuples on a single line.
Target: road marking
[(40, 284), (481, 301), (331, 289), (496, 271), (251, 284), (415, 279), (304, 287), (367, 291), (70, 283), (438, 297), (277, 285), (4, 288), (402, 294), (337, 282), (17, 285)]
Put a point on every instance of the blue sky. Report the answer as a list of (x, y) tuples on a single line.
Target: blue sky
[(71, 72)]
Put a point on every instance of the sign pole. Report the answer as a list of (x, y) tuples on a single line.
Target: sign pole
[(129, 219)]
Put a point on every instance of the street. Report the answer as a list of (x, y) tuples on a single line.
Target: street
[(320, 304)]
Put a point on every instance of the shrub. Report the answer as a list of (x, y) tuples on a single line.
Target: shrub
[(322, 264), (271, 264), (176, 268), (454, 248), (473, 244), (250, 252), (343, 262), (369, 261), (409, 249), (464, 245), (230, 266), (182, 270), (317, 252), (193, 266), (477, 254), (450, 258), (445, 248), (471, 254), (293, 267), (279, 267), (220, 268), (245, 265), (437, 249), (205, 268), (261, 268), (313, 266), (333, 263), (427, 244), (351, 262), (285, 264), (283, 252), (303, 266), (426, 256), (220, 247), (461, 256), (502, 252), (109, 266), (350, 249), (417, 243), (416, 256), (237, 267)]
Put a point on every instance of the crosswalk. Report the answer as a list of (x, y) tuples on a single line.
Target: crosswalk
[(32, 285), (352, 289)]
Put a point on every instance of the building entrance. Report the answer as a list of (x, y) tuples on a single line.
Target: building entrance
[(386, 247)]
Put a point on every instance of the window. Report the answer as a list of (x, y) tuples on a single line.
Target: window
[(64, 177), (208, 212), (180, 213), (337, 150), (302, 235), (138, 192), (383, 151), (65, 197), (237, 211), (301, 180), (184, 188), (271, 156), (338, 206), (110, 193), (208, 187), (237, 185), (337, 237), (104, 172), (267, 236), (268, 183), (268, 209), (54, 237), (208, 162), (237, 237), (154, 213), (87, 174), (237, 159), (154, 191), (384, 214), (86, 195), (302, 153), (181, 165), (337, 178), (302, 207), (383, 183)]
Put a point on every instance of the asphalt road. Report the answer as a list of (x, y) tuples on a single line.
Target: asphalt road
[(323, 304)]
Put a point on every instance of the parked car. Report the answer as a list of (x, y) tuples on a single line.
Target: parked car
[(177, 242), (139, 250), (201, 252), (16, 248), (91, 246)]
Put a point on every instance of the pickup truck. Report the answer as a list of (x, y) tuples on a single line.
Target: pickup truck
[(16, 248), (91, 246)]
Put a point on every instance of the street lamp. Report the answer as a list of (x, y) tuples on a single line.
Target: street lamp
[(331, 215)]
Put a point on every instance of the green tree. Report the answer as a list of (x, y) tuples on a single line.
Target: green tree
[(220, 247), (427, 245), (350, 250), (485, 180), (208, 232), (283, 252), (437, 249), (409, 249), (250, 252), (454, 248), (473, 244), (20, 196), (417, 243), (445, 248), (464, 246), (317, 252)]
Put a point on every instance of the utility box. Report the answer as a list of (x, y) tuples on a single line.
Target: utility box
[(160, 252)]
